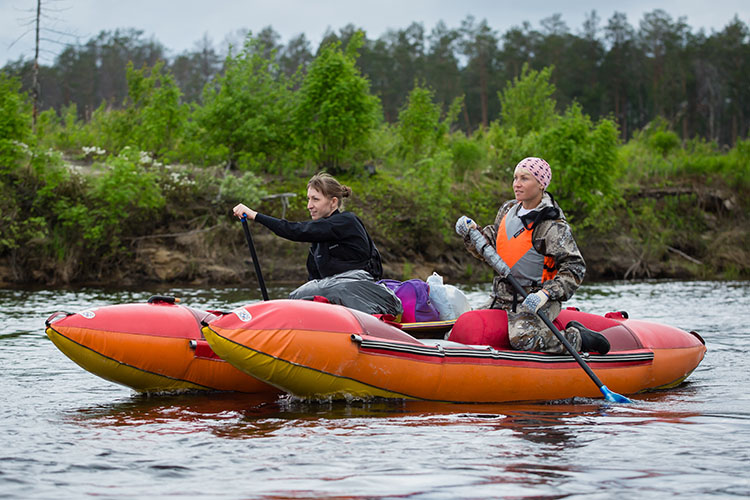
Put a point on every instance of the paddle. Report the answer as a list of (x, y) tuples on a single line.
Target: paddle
[(494, 260), (254, 256)]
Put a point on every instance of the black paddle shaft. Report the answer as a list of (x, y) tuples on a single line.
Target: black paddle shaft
[(513, 281), (466, 227), (250, 245)]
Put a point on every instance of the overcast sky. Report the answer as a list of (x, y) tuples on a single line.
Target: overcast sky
[(179, 24)]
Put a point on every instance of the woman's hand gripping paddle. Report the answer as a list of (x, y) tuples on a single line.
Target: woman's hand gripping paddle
[(255, 257), (464, 226)]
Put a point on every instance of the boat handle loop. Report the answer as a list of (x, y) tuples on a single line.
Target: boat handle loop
[(55, 316)]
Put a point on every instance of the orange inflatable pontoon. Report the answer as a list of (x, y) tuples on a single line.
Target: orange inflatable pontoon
[(318, 350), (149, 347)]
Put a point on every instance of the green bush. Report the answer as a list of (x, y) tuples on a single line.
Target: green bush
[(335, 115), (247, 111), (467, 155), (583, 157), (17, 229), (246, 189), (15, 123), (738, 166), (526, 103), (126, 197), (153, 114), (664, 141)]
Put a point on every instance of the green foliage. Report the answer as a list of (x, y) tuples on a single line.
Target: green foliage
[(659, 137), (698, 161), (419, 124), (194, 148), (583, 157), (15, 122), (152, 120), (248, 111), (420, 127), (125, 195), (124, 185), (503, 146), (66, 133), (425, 176), (430, 181), (468, 155), (16, 231), (403, 213), (738, 165), (526, 103), (153, 113), (335, 115), (664, 141), (247, 189)]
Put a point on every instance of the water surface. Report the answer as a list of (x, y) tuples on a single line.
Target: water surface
[(67, 433)]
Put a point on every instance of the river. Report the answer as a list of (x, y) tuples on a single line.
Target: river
[(69, 434)]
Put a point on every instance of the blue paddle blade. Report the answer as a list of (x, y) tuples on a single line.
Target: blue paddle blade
[(613, 396)]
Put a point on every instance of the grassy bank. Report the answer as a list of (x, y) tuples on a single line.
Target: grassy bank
[(678, 227)]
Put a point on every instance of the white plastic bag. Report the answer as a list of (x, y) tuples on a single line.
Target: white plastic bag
[(447, 299), (458, 300)]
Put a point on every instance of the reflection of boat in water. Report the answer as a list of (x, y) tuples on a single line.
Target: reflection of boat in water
[(155, 346), (319, 350)]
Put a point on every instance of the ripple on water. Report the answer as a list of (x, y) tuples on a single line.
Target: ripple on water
[(69, 433)]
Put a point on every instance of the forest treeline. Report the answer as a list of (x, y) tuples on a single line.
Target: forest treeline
[(141, 188), (661, 67)]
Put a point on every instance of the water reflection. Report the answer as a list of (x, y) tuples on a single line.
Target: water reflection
[(193, 408), (555, 425)]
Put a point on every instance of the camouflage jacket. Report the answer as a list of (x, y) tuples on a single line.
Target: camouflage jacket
[(552, 238)]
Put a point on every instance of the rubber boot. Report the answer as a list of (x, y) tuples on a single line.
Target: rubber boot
[(591, 341)]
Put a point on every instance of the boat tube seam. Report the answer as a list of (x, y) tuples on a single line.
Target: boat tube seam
[(500, 355), (395, 393)]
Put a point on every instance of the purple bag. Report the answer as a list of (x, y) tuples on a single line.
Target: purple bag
[(415, 298)]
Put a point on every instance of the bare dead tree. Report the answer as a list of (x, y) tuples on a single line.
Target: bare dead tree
[(39, 36), (35, 72)]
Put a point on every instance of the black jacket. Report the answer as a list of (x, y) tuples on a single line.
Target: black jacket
[(339, 242)]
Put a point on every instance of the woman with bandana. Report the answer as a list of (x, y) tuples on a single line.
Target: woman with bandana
[(532, 237)]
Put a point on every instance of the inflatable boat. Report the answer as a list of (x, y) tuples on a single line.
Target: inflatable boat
[(150, 347), (324, 351)]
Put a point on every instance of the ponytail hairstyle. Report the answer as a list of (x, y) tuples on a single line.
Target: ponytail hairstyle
[(329, 187)]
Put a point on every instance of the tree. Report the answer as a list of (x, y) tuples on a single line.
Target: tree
[(419, 126), (578, 71), (480, 45), (335, 113), (441, 64), (15, 121), (35, 78), (296, 56), (554, 41), (154, 112), (583, 156), (247, 110), (527, 103), (620, 71), (193, 70), (663, 42), (730, 52), (377, 65), (519, 48)]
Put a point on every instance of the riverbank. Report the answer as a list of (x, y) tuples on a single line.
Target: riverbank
[(684, 231)]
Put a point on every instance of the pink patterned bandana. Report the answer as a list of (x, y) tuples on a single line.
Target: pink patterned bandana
[(538, 168)]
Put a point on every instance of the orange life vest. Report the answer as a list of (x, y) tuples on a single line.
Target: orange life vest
[(514, 245)]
